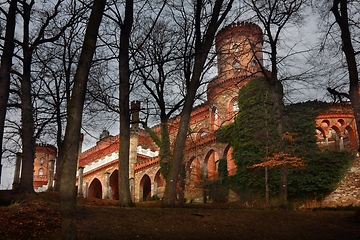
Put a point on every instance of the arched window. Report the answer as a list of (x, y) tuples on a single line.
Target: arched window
[(42, 160), (216, 114), (41, 172), (217, 166), (332, 133), (234, 105)]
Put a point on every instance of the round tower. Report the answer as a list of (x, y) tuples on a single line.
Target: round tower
[(239, 57), (45, 155), (239, 48)]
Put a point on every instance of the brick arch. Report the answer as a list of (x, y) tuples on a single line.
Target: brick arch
[(211, 161), (95, 189), (325, 124), (321, 131), (232, 108), (321, 140), (335, 128), (334, 132), (350, 133), (193, 189), (341, 122), (145, 188), (159, 184), (333, 137), (231, 166), (114, 184), (193, 171)]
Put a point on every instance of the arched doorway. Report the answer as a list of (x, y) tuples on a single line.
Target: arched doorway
[(212, 163), (193, 173), (114, 186), (145, 188), (231, 166), (193, 187), (350, 141), (95, 189), (334, 138), (159, 185)]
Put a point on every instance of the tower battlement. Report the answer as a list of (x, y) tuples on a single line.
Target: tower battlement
[(240, 28)]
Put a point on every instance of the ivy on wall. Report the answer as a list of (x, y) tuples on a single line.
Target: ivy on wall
[(253, 137)]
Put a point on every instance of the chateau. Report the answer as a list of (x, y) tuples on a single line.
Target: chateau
[(239, 59)]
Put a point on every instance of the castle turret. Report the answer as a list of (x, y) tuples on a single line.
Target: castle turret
[(44, 154), (239, 48), (239, 58)]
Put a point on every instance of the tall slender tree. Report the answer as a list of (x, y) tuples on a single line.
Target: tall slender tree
[(203, 43), (6, 62), (159, 68), (125, 199), (48, 31), (74, 119)]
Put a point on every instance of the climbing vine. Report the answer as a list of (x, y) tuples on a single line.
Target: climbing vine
[(253, 138)]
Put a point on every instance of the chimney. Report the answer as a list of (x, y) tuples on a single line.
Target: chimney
[(135, 109)]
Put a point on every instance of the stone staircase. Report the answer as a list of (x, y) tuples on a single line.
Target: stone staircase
[(348, 190)]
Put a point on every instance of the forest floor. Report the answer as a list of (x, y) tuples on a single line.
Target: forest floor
[(37, 216)]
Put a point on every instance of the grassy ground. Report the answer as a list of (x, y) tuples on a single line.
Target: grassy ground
[(38, 217)]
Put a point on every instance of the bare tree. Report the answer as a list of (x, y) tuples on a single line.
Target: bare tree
[(125, 199), (47, 31), (74, 119), (124, 19), (340, 9), (215, 14), (6, 62), (159, 73), (56, 63)]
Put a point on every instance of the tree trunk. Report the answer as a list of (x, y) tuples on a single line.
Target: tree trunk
[(6, 62), (202, 46), (125, 199), (283, 187), (278, 106), (165, 151), (27, 119), (74, 118), (267, 187), (341, 16)]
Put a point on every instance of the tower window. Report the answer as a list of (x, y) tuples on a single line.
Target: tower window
[(253, 63), (235, 106), (42, 160), (236, 65), (235, 47)]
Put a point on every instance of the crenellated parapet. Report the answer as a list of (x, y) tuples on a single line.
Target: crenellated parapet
[(240, 29), (43, 147)]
